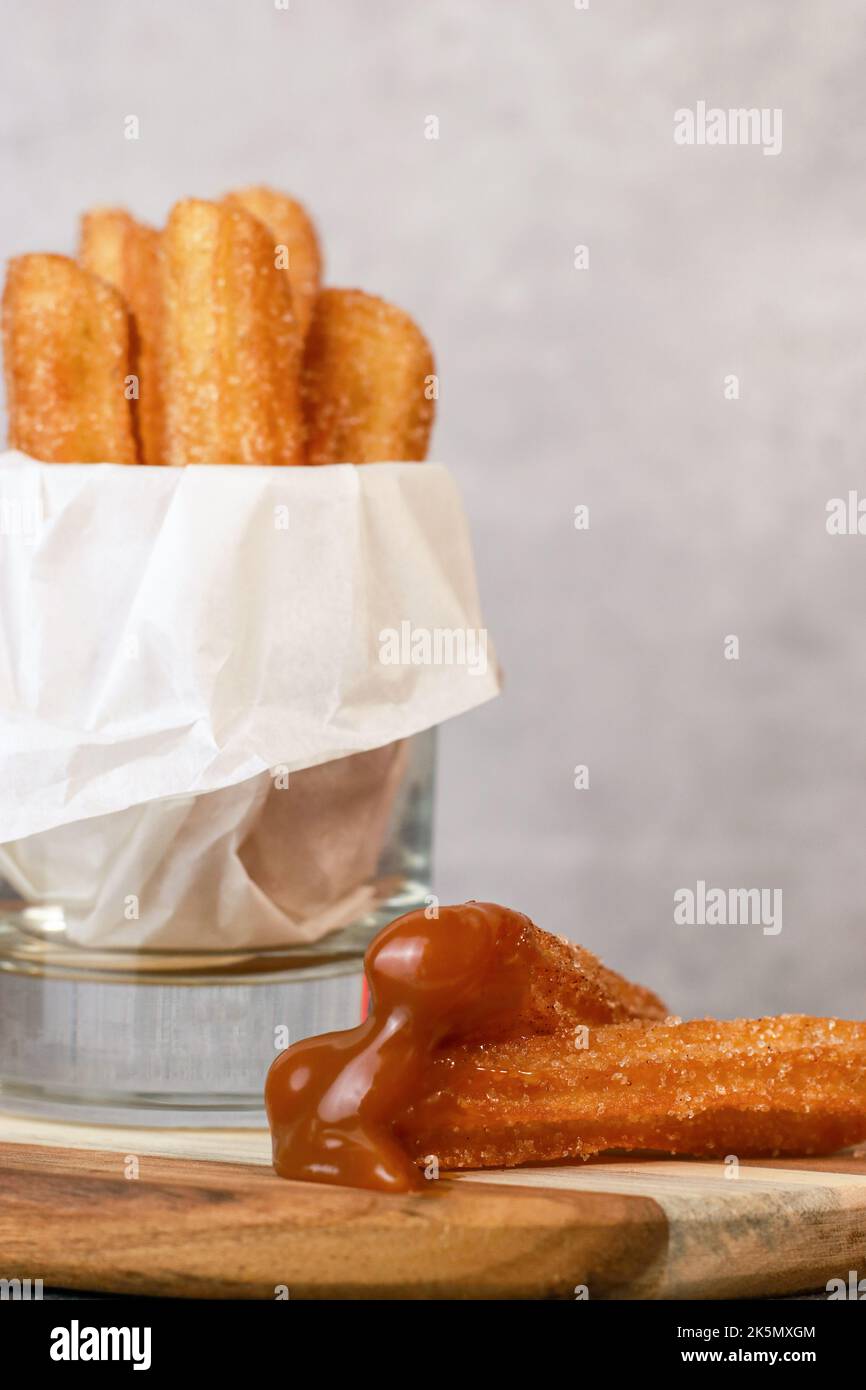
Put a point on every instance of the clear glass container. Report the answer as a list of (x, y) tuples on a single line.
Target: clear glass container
[(119, 1008)]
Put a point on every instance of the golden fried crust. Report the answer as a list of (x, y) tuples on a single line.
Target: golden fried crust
[(231, 355), (66, 339), (566, 986), (751, 1087), (366, 382), (293, 233), (127, 254)]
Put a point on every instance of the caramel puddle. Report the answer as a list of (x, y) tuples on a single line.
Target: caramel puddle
[(332, 1100)]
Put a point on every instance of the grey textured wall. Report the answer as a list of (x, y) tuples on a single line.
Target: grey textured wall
[(602, 386)]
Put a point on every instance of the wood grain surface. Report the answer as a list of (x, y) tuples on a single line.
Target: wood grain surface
[(200, 1214), (196, 1229)]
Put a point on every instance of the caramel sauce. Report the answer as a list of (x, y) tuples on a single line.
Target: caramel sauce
[(332, 1100)]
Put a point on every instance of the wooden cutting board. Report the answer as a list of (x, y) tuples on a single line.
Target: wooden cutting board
[(200, 1214)]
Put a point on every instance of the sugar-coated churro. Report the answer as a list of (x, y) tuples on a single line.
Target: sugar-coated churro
[(771, 1086), (126, 253), (368, 382), (295, 244), (231, 350), (66, 340), (561, 984)]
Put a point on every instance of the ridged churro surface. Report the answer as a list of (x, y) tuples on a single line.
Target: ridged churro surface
[(491, 1043), (66, 350), (770, 1086), (469, 973), (231, 353), (564, 985), (368, 382), (126, 253), (290, 227)]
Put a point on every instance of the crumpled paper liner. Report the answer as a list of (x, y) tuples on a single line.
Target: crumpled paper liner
[(174, 642), (257, 865)]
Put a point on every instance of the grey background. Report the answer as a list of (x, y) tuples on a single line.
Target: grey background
[(561, 387)]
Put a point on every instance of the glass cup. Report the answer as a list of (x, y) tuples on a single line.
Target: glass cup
[(153, 962)]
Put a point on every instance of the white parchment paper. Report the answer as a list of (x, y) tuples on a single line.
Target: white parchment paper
[(168, 634)]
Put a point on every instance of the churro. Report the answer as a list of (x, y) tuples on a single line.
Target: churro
[(295, 244), (562, 985), (770, 1086), (491, 1044), (368, 382), (471, 972), (66, 339), (231, 351), (126, 253)]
